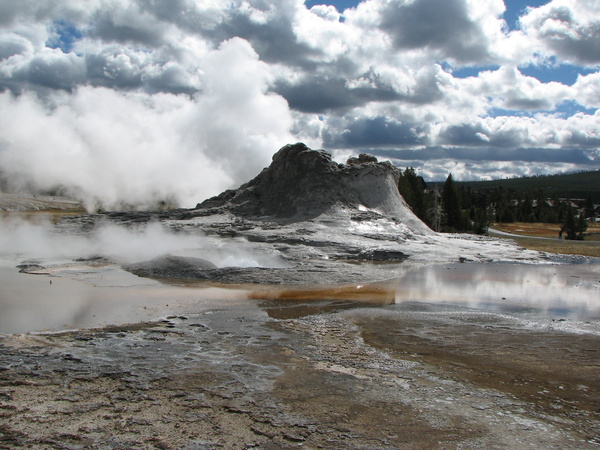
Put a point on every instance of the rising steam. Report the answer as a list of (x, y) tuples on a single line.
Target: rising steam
[(131, 149), (25, 240)]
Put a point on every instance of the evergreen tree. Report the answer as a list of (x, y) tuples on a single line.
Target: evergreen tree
[(540, 206), (526, 210), (418, 187), (581, 226), (434, 210), (412, 188), (589, 207), (570, 227), (405, 189), (481, 221), (561, 211), (451, 207)]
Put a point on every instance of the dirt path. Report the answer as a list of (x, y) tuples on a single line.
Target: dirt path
[(493, 232)]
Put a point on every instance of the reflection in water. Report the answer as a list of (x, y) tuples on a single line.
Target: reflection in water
[(377, 293), (81, 297), (87, 297), (551, 291), (556, 291)]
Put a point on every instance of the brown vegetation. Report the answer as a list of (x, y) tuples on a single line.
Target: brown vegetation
[(531, 232)]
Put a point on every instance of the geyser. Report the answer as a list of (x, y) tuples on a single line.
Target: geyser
[(302, 184)]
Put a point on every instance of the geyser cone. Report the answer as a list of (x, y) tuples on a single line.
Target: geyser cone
[(302, 183)]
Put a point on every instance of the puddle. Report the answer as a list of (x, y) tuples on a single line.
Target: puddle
[(86, 297), (551, 291), (548, 291)]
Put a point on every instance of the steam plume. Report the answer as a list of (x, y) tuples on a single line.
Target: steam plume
[(113, 149)]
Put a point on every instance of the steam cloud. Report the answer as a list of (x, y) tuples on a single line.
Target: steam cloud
[(113, 149), (21, 239)]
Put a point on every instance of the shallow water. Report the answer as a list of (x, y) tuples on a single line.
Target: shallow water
[(552, 291), (84, 297), (90, 296)]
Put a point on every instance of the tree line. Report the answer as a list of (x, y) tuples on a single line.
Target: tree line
[(454, 207)]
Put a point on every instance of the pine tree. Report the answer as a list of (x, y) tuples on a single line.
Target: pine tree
[(412, 188), (570, 227), (451, 206), (589, 207), (581, 226)]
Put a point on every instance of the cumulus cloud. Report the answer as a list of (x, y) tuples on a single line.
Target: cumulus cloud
[(196, 96), (441, 25), (376, 132), (495, 154), (13, 44), (487, 163), (567, 29), (587, 90), (543, 131), (128, 25), (510, 89)]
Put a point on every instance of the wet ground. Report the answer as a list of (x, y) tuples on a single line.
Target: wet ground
[(442, 356), (85, 296), (92, 294)]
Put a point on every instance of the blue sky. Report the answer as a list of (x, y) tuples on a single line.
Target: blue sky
[(197, 96), (66, 34)]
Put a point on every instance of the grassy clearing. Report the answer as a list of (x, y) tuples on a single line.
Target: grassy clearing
[(561, 247), (549, 230), (529, 231)]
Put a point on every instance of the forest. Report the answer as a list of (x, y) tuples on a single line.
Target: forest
[(570, 200)]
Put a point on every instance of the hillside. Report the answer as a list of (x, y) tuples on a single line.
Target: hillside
[(572, 185)]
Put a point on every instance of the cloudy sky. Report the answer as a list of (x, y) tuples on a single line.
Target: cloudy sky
[(135, 100)]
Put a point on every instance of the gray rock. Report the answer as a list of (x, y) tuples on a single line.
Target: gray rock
[(302, 184), (172, 267)]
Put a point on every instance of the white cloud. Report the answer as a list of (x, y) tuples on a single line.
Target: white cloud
[(321, 29), (327, 12), (567, 29), (129, 24), (455, 30), (466, 170), (511, 90), (169, 90), (587, 90), (48, 68), (13, 43), (579, 131)]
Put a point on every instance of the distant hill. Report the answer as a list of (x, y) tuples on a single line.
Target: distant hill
[(572, 185)]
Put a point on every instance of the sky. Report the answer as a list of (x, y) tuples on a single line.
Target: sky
[(129, 102)]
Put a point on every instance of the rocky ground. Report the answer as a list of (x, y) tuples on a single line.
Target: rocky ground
[(319, 375), (326, 250)]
